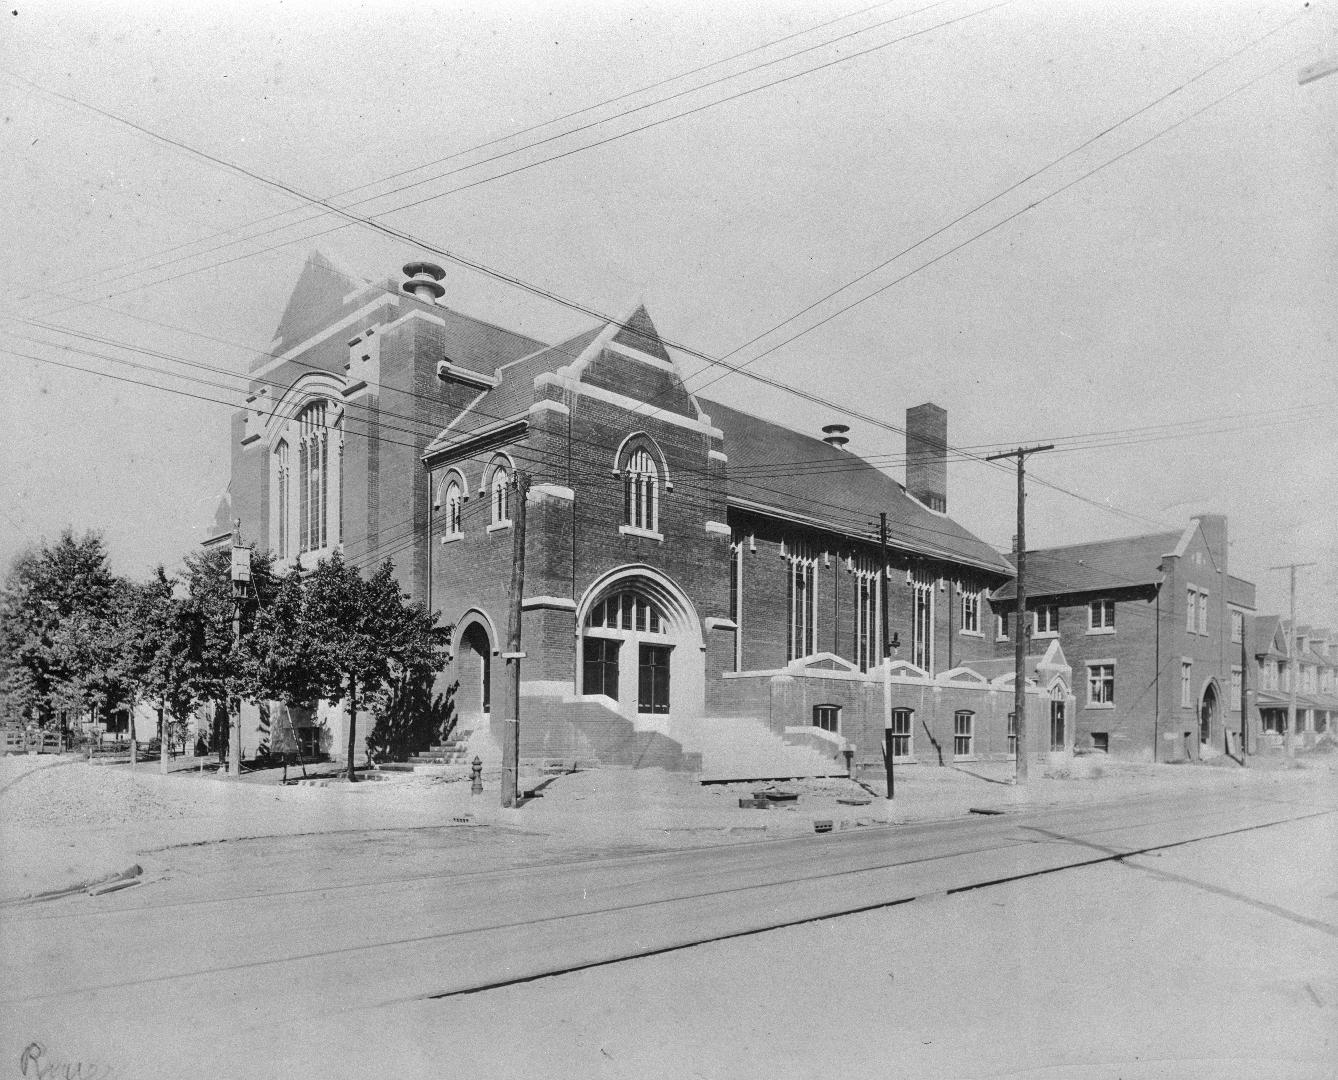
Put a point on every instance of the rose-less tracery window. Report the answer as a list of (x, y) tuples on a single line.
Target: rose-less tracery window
[(313, 478), (641, 492)]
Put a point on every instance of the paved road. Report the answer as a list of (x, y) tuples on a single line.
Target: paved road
[(106, 979)]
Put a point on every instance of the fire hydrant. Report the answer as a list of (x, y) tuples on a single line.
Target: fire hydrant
[(476, 776)]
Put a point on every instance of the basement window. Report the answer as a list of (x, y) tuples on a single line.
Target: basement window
[(1101, 741), (827, 717)]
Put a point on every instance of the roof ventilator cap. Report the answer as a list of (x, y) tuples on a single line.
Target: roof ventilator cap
[(835, 435), (423, 281)]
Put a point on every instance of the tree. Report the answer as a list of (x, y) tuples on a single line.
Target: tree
[(221, 671), (59, 612), (160, 652), (279, 665), (363, 634), (412, 717)]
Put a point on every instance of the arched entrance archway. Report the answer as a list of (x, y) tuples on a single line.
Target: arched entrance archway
[(1208, 709), (473, 671), (639, 643)]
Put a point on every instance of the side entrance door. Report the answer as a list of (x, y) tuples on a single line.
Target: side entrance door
[(1057, 725)]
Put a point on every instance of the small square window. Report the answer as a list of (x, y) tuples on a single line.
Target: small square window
[(1101, 741)]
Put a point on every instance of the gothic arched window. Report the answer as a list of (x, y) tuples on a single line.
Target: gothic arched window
[(452, 502), (501, 496), (641, 492), (313, 478)]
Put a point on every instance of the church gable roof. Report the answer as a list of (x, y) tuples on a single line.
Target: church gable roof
[(774, 468)]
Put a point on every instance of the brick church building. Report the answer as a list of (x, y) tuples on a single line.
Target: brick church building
[(702, 586)]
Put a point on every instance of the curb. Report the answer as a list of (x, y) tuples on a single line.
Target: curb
[(95, 887)]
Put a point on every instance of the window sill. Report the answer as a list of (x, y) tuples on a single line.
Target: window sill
[(499, 526), (1045, 634), (649, 534), (451, 538), (964, 757), (970, 633), (1099, 705), (1094, 631)]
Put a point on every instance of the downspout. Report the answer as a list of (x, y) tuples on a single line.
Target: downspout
[(1156, 689)]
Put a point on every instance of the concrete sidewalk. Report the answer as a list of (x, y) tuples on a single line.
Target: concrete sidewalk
[(67, 824)]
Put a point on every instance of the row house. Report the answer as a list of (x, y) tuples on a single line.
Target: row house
[(703, 589), (1309, 659), (1157, 632)]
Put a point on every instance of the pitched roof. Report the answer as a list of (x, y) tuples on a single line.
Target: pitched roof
[(1129, 562), (514, 392), (773, 468), (1266, 629)]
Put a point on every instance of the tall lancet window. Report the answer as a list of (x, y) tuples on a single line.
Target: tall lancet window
[(641, 492), (281, 508), (313, 478)]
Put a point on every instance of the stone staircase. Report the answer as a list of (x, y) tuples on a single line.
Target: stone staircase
[(452, 752), (740, 748), (590, 731)]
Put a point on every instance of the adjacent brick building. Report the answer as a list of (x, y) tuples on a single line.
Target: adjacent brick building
[(1157, 631)]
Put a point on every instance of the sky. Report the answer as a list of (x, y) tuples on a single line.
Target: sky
[(1149, 278)]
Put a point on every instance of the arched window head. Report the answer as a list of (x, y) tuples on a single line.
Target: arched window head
[(641, 491), (501, 496), (452, 504), (313, 477)]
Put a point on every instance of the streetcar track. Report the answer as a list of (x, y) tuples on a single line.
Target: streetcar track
[(865, 834), (662, 901)]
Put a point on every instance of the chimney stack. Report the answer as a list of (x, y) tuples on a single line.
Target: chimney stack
[(423, 278), (835, 435), (927, 455)]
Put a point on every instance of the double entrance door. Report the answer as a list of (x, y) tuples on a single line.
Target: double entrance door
[(603, 671)]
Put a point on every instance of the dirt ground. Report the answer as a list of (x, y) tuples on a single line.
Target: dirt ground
[(66, 823)]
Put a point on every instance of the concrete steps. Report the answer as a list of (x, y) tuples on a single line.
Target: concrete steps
[(736, 748)]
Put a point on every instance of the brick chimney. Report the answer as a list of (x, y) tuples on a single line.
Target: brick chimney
[(927, 455)]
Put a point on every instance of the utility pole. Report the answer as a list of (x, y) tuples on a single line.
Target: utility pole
[(241, 581), (520, 487), (886, 644), (1293, 661), (1023, 634)]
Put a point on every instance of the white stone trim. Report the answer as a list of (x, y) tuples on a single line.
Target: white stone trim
[(649, 534), (498, 526), (638, 355), (713, 623), (334, 328), (573, 385), (718, 527), (552, 491), (548, 405), (716, 455), (414, 314), (559, 603)]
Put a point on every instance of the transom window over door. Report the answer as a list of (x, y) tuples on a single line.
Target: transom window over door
[(641, 492), (626, 611)]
